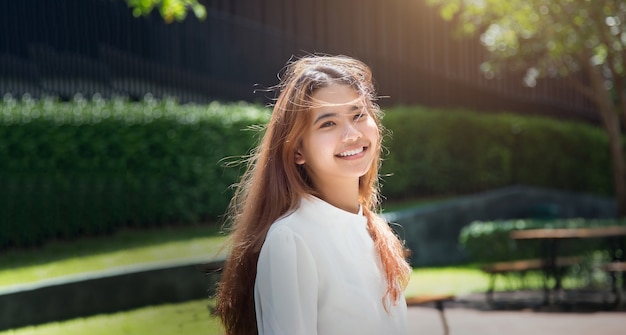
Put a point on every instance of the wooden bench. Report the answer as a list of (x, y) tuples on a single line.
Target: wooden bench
[(613, 268), (522, 266), (437, 300)]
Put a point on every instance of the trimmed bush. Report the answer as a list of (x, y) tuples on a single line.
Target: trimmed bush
[(69, 169), (91, 167), (490, 241), (456, 151)]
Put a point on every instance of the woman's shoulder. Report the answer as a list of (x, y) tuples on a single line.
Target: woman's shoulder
[(287, 234), (291, 221), (300, 221)]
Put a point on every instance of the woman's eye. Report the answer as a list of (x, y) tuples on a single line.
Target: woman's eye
[(359, 116), (327, 124)]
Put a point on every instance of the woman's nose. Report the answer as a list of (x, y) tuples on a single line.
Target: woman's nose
[(351, 133)]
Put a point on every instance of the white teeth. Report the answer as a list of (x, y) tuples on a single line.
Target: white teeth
[(351, 152)]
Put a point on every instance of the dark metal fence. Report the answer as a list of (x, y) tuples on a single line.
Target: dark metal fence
[(65, 47)]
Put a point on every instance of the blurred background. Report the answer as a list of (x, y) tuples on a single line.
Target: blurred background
[(66, 48), (121, 122)]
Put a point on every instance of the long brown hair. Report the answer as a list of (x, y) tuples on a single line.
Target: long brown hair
[(273, 184)]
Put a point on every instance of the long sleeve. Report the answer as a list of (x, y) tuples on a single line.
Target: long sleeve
[(286, 285)]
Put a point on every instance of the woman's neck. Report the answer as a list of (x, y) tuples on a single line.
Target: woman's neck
[(341, 195)]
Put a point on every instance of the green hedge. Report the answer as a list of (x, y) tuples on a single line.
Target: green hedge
[(490, 241), (69, 169), (90, 167), (457, 151)]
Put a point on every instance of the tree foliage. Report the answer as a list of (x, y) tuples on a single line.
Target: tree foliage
[(545, 37), (170, 10), (583, 40)]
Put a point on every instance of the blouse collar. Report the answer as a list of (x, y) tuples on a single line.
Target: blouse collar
[(324, 209)]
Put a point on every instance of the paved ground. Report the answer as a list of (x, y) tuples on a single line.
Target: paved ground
[(520, 315)]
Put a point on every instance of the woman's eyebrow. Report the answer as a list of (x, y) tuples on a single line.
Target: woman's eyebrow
[(351, 108), (324, 116)]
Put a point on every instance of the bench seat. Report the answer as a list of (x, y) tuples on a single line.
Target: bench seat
[(522, 266), (614, 267)]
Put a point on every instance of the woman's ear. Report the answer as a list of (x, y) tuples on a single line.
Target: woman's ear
[(299, 158)]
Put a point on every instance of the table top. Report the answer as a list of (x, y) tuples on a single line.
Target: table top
[(555, 233)]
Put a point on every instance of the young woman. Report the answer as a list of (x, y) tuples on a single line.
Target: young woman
[(309, 253)]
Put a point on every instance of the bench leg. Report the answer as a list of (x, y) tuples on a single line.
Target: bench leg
[(615, 288), (492, 284), (546, 287), (442, 315)]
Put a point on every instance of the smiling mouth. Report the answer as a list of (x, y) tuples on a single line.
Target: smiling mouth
[(352, 152)]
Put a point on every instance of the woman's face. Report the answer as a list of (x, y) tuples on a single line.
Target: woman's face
[(342, 137)]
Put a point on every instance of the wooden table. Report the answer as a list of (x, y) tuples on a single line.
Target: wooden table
[(563, 233), (616, 236)]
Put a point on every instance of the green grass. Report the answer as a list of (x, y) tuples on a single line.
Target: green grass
[(464, 279), (194, 317), (186, 318), (446, 280), (133, 247), (57, 259), (126, 247)]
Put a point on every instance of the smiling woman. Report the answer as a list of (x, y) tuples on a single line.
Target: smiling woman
[(339, 145), (309, 252)]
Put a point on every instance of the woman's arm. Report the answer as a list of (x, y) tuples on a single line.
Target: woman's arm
[(285, 290)]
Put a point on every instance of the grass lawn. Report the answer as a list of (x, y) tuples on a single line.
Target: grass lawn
[(186, 318), (194, 317), (126, 247), (191, 317), (167, 243)]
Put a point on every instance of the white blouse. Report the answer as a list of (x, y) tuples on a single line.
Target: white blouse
[(319, 273)]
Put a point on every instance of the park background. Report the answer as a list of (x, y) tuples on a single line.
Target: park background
[(114, 121)]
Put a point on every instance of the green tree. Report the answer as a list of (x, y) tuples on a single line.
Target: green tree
[(583, 40), (170, 9)]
